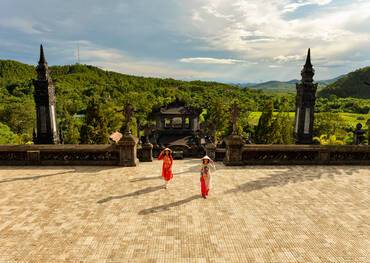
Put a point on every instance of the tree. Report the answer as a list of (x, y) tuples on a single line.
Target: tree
[(263, 130), (217, 118), (95, 127), (6, 135), (282, 127), (69, 127), (19, 115), (328, 123)]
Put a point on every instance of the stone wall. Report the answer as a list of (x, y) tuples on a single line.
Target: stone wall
[(304, 154), (60, 155), (111, 155)]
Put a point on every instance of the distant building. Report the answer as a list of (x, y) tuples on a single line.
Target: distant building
[(176, 127)]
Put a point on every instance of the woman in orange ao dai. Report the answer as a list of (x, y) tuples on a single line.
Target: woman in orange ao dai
[(166, 156)]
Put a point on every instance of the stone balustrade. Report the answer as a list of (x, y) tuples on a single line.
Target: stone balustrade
[(302, 155), (124, 155), (109, 155)]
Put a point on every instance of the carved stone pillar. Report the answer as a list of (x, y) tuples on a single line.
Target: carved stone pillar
[(128, 150), (147, 147), (147, 152), (211, 150), (234, 150)]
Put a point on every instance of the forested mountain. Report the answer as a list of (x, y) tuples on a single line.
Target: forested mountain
[(350, 85)]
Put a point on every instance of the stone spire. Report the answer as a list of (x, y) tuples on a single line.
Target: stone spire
[(308, 72), (42, 68), (44, 96), (42, 59), (305, 104)]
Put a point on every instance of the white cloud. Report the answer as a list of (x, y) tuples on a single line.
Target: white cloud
[(258, 29), (285, 59), (196, 17), (223, 61), (148, 37), (116, 60), (274, 66), (290, 7)]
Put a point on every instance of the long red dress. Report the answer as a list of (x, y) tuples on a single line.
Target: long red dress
[(205, 180), (167, 166)]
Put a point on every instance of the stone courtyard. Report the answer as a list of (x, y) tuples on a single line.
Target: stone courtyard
[(253, 214)]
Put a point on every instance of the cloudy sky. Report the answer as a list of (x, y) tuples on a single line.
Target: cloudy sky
[(222, 40)]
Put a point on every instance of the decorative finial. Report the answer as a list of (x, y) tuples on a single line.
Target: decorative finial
[(308, 59), (42, 56), (308, 72)]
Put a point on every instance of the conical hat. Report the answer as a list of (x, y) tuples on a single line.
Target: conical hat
[(167, 149), (207, 158)]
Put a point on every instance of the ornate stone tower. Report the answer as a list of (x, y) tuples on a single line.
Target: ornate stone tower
[(305, 104), (46, 131)]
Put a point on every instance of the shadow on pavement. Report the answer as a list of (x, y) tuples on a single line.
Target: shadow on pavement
[(145, 179), (136, 193), (167, 207), (296, 174), (33, 177)]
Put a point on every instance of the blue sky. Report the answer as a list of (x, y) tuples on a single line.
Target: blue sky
[(222, 40)]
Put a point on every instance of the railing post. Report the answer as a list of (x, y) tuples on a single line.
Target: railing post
[(33, 157), (127, 147), (234, 150), (324, 156)]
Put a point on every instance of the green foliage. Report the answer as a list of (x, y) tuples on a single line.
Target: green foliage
[(13, 113), (217, 118), (349, 105), (77, 85), (95, 126), (328, 140), (6, 135), (275, 128), (329, 123), (282, 128), (263, 130), (70, 129)]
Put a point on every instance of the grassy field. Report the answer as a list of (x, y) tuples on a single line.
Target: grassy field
[(349, 118)]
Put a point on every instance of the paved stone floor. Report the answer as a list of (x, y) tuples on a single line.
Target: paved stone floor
[(253, 214)]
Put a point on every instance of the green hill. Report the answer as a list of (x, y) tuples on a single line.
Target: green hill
[(275, 86), (285, 86), (350, 85)]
